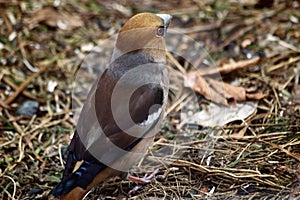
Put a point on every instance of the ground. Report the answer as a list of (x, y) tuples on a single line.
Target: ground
[(44, 44)]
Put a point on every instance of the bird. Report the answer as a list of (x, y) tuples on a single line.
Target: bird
[(124, 108)]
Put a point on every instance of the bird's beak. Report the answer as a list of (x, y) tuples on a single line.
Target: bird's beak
[(166, 19)]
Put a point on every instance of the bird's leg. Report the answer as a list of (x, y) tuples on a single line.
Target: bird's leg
[(146, 179), (141, 181)]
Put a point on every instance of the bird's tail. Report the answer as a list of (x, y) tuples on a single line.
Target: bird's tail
[(82, 177)]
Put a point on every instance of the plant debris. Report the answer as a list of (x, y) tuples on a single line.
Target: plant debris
[(243, 55)]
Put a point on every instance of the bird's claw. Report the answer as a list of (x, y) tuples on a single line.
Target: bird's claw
[(142, 181)]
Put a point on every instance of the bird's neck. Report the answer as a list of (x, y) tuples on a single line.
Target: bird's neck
[(122, 63), (156, 55), (152, 54)]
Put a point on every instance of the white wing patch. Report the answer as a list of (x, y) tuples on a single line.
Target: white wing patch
[(152, 117)]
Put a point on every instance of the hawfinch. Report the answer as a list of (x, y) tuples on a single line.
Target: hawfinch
[(123, 110)]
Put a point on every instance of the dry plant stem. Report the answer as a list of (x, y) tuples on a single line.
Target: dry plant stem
[(268, 182), (283, 64), (176, 63), (240, 173), (230, 67), (22, 87), (20, 131), (184, 103), (8, 142), (21, 145), (292, 143), (281, 149), (3, 105), (242, 152), (277, 100), (60, 156), (288, 45), (15, 185), (267, 136), (29, 125), (177, 103), (48, 123)]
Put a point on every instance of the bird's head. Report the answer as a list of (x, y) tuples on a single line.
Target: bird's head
[(144, 32)]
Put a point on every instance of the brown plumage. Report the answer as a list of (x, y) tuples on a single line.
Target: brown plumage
[(123, 110)]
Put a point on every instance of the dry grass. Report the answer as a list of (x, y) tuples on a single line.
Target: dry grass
[(258, 158)]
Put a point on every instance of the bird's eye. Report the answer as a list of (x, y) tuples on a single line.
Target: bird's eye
[(160, 31)]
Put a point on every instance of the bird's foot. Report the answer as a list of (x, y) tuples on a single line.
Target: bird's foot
[(141, 181), (146, 179)]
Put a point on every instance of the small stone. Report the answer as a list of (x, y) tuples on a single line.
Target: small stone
[(28, 108)]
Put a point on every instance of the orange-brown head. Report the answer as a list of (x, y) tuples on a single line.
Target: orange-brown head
[(146, 32)]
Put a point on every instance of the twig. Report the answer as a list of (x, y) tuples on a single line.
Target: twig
[(228, 171), (227, 68), (12, 97), (15, 186), (178, 102), (3, 104), (24, 92), (60, 155), (176, 63), (281, 149), (283, 64)]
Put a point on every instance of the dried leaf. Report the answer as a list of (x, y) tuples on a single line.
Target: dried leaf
[(218, 115), (197, 83), (231, 93), (52, 17), (218, 91), (255, 95), (240, 134)]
